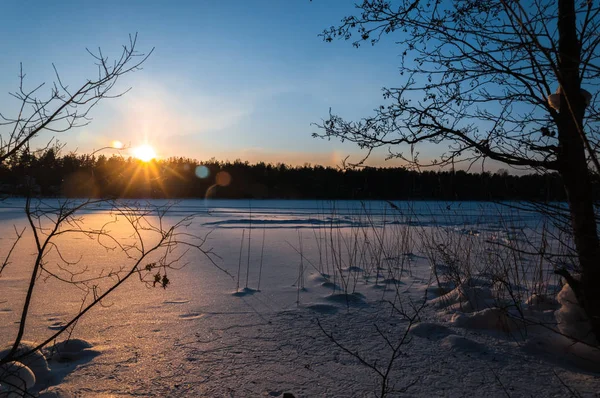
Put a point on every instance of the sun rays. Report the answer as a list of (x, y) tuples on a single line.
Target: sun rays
[(144, 152), (144, 172)]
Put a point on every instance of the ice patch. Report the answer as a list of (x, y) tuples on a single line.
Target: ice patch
[(284, 223)]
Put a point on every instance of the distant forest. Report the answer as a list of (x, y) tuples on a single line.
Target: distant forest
[(72, 175)]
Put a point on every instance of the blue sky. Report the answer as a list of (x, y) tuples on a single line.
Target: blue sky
[(227, 79)]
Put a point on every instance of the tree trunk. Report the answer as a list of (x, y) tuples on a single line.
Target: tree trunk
[(574, 166), (577, 182)]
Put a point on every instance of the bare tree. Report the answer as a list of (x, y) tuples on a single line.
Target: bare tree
[(499, 80), (142, 239), (64, 107), (394, 345)]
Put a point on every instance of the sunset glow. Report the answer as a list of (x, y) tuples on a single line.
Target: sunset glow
[(144, 152)]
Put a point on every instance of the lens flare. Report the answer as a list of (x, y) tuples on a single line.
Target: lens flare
[(202, 172), (223, 178)]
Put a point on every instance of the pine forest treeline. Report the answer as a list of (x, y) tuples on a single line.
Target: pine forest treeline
[(72, 175)]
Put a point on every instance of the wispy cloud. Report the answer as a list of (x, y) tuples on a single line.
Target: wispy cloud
[(154, 113), (333, 158)]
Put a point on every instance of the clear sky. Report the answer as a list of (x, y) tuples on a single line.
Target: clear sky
[(227, 79)]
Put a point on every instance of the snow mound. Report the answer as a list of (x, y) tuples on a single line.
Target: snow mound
[(15, 379), (347, 298), (489, 318), (191, 315), (320, 277), (58, 325), (437, 291), (331, 285), (471, 295), (431, 331), (462, 344), (244, 292), (571, 318), (36, 361), (323, 308), (71, 350), (392, 281), (177, 301), (541, 302)]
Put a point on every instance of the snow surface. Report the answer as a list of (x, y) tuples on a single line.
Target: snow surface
[(211, 334)]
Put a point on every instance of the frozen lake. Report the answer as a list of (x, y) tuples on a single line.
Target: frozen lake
[(248, 324), (308, 213)]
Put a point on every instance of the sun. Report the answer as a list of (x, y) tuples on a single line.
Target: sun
[(144, 152)]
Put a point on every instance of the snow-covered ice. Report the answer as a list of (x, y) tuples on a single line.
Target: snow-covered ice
[(223, 333)]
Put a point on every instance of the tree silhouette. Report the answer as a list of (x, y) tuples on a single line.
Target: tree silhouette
[(497, 80), (85, 176), (150, 247)]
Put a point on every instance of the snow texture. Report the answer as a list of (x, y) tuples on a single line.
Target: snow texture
[(216, 334)]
